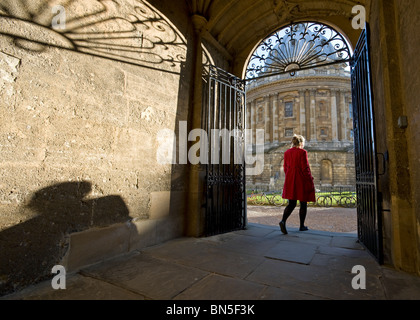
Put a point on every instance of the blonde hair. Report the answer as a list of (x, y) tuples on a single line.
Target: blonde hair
[(297, 140)]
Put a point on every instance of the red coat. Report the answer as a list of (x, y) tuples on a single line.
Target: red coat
[(299, 183)]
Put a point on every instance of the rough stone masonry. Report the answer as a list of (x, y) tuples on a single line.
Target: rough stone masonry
[(80, 112)]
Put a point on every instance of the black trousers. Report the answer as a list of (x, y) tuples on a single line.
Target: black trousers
[(302, 212)]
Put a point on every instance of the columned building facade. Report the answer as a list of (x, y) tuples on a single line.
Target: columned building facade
[(317, 104)]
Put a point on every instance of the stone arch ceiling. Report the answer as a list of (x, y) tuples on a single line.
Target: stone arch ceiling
[(239, 25)]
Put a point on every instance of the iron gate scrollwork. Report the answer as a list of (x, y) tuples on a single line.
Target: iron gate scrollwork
[(299, 46), (223, 120), (368, 200)]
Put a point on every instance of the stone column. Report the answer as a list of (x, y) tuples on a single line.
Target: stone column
[(344, 115), (275, 119), (248, 115), (270, 118), (302, 113), (195, 216), (334, 119), (253, 122), (312, 95), (248, 124), (280, 111), (267, 118), (307, 114)]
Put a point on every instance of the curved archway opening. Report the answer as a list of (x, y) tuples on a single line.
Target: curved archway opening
[(298, 82)]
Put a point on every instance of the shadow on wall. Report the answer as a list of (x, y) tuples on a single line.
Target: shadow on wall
[(29, 250), (132, 32)]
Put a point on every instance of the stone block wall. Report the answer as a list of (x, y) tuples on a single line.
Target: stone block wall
[(81, 109), (342, 171), (394, 43), (407, 28)]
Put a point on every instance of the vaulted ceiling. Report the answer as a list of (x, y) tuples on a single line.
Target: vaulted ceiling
[(237, 26)]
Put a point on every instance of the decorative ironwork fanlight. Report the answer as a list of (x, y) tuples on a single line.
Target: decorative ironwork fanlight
[(300, 46)]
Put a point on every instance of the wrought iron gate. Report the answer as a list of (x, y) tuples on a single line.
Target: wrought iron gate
[(223, 120), (368, 206)]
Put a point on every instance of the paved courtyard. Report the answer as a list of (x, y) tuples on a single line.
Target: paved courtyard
[(322, 219), (259, 263)]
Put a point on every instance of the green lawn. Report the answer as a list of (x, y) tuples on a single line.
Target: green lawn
[(327, 199)]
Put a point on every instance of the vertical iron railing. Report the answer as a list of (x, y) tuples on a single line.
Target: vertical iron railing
[(223, 120), (368, 204)]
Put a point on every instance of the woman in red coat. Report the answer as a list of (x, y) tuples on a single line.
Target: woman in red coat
[(299, 183)]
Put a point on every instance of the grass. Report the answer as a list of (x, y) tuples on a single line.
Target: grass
[(326, 199)]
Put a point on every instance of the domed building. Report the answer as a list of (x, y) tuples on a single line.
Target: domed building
[(315, 103)]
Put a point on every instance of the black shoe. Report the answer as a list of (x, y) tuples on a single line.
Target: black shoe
[(283, 227), (303, 229)]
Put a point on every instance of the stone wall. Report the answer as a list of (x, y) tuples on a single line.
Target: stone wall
[(409, 25), (319, 101), (394, 43), (81, 110), (341, 170)]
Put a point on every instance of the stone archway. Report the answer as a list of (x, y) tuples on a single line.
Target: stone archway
[(329, 104), (235, 28), (312, 101)]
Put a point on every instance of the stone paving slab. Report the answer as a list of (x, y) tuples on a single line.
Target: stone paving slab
[(349, 242), (218, 287), (148, 276), (316, 281), (208, 256), (78, 287), (306, 238), (255, 264), (240, 243), (293, 252), (400, 285), (274, 293)]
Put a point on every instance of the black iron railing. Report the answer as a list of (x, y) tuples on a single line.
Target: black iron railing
[(345, 197)]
